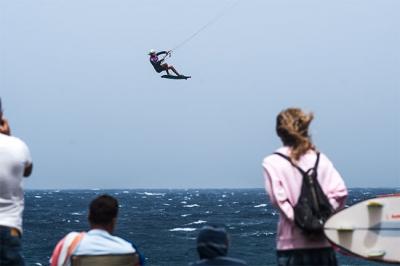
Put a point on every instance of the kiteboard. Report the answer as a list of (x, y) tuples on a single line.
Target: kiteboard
[(369, 229), (175, 77)]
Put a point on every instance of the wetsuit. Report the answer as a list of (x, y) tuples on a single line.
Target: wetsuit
[(156, 62)]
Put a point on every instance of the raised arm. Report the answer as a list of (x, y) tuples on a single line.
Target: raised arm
[(162, 52), (27, 161), (4, 126), (28, 170)]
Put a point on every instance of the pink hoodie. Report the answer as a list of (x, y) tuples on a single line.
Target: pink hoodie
[(283, 184)]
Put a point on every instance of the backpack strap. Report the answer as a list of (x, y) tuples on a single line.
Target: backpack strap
[(317, 161), (290, 161), (296, 166)]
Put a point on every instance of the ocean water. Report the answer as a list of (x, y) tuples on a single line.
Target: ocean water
[(164, 223)]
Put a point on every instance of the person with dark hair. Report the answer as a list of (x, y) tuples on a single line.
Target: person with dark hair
[(15, 163), (103, 212), (212, 247), (283, 182)]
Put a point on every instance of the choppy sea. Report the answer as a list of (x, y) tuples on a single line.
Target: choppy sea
[(164, 223)]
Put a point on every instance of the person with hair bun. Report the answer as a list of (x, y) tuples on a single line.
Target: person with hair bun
[(283, 184)]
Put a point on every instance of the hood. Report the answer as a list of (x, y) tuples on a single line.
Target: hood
[(212, 242)]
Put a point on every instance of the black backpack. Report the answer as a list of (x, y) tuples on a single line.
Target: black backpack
[(313, 207)]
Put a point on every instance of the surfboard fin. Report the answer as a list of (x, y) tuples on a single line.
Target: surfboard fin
[(374, 204), (344, 229), (376, 254)]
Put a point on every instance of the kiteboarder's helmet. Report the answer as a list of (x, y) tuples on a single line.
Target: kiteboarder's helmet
[(152, 51)]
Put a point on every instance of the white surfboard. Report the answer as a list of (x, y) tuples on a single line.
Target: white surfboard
[(369, 229)]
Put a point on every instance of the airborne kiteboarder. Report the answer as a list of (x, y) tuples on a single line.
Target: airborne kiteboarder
[(160, 66)]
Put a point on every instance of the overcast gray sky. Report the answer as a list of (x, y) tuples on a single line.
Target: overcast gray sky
[(77, 87)]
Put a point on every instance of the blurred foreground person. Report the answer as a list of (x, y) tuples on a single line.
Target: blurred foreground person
[(98, 246), (300, 238), (15, 163), (212, 247)]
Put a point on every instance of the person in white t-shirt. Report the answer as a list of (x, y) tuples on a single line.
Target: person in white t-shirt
[(15, 163)]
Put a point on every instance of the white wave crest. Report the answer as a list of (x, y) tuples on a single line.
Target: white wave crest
[(186, 229), (260, 206), (197, 222), (191, 205), (151, 194)]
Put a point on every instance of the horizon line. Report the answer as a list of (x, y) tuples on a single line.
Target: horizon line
[(190, 188)]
